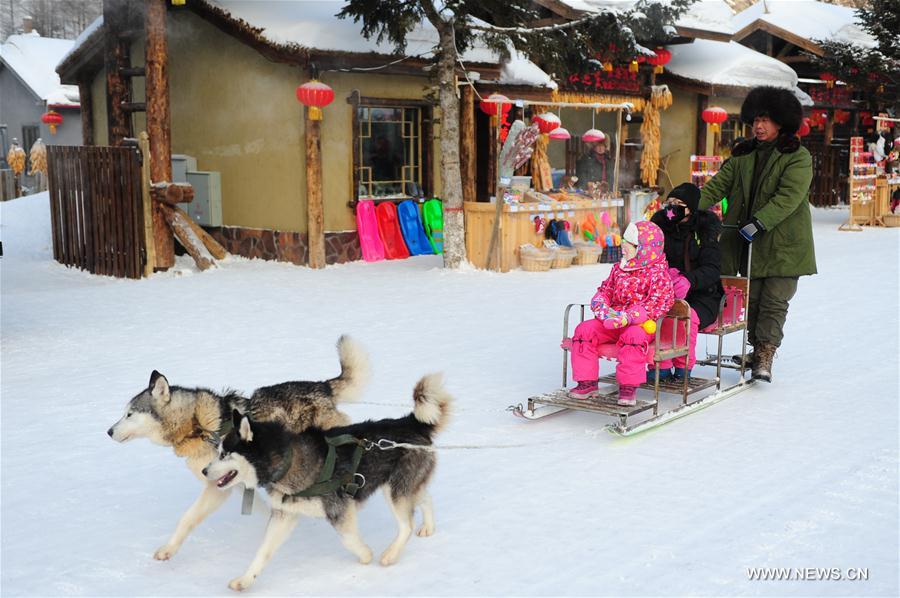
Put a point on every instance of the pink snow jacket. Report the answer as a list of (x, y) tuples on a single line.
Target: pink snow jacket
[(640, 287)]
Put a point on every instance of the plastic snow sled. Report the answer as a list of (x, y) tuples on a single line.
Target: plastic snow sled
[(389, 228), (672, 339), (433, 218), (413, 231), (367, 226)]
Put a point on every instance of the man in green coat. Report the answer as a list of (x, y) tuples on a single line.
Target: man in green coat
[(766, 182)]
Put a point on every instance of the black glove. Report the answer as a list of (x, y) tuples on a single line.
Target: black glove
[(752, 229)]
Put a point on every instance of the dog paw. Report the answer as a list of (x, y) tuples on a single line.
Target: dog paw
[(165, 553), (239, 584), (365, 559), (388, 558), (425, 531)]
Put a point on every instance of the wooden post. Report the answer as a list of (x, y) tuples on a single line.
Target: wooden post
[(87, 112), (149, 240), (115, 55), (467, 162), (615, 187), (315, 216), (158, 124)]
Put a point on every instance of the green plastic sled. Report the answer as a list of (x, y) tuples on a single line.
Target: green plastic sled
[(433, 219)]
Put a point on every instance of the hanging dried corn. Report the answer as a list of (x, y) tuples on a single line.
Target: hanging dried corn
[(38, 157), (16, 158), (650, 137)]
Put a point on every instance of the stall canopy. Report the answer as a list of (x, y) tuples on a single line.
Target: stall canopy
[(731, 65)]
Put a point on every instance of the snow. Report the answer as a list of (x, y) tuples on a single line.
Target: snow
[(729, 63), (34, 58), (800, 473), (708, 15), (807, 18), (95, 26)]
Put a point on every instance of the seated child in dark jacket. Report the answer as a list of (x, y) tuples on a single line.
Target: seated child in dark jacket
[(692, 250)]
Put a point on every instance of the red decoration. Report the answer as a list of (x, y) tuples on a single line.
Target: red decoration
[(818, 118), (866, 120), (714, 116), (829, 79), (841, 117), (593, 135), (804, 129), (620, 79), (546, 122), (53, 119), (660, 58), (495, 106), (315, 95), (560, 133)]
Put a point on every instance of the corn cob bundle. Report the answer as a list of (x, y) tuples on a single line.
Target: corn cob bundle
[(660, 97), (16, 158), (650, 137), (38, 157)]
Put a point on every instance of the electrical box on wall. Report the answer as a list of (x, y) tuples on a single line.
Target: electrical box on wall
[(206, 208)]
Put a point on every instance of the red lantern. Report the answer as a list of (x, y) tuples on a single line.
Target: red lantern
[(593, 135), (714, 116), (829, 79), (495, 105), (804, 129), (560, 133), (546, 122), (53, 119), (818, 118), (315, 95), (841, 116), (659, 59)]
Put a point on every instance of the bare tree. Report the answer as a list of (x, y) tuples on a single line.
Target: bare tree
[(63, 19)]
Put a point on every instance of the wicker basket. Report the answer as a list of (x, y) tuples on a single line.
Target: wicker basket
[(587, 254), (536, 261), (562, 257), (891, 219)]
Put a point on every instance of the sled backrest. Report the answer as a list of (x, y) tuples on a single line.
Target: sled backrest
[(733, 307)]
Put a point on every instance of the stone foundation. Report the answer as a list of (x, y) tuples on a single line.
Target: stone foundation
[(285, 246)]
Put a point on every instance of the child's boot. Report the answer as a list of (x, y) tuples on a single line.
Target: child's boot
[(680, 374), (664, 374), (585, 390), (627, 395)]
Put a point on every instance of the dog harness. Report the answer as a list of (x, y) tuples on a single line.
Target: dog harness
[(327, 482)]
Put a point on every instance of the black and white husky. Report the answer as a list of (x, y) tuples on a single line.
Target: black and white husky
[(284, 463), (191, 420)]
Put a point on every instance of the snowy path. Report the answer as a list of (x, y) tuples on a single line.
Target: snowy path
[(801, 473)]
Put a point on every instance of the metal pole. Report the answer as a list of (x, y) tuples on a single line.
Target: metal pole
[(618, 151)]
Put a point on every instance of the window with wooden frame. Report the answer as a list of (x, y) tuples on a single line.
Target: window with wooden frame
[(731, 130), (391, 142)]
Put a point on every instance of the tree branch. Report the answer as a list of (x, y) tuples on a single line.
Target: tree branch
[(531, 30)]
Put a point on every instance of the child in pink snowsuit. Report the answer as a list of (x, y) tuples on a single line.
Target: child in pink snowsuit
[(638, 289)]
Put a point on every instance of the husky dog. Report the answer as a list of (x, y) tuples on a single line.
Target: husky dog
[(269, 455), (191, 421)]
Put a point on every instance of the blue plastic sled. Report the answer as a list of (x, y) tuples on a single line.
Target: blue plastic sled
[(413, 231)]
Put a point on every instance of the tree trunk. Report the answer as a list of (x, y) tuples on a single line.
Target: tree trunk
[(467, 143), (454, 227), (193, 244), (315, 223)]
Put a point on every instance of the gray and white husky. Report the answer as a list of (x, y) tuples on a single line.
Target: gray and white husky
[(286, 463), (192, 420)]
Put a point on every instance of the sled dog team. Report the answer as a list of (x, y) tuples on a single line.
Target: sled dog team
[(285, 439)]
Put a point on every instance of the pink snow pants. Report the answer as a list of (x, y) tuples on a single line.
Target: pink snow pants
[(633, 345), (666, 335)]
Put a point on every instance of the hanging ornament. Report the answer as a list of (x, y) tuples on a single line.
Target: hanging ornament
[(315, 95), (495, 105), (660, 57), (592, 135), (546, 122), (607, 67), (52, 118), (829, 79), (633, 66), (714, 116), (560, 133), (804, 129)]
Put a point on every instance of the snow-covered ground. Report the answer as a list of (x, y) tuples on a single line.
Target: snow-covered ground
[(799, 474)]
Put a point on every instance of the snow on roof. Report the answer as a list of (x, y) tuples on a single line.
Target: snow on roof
[(82, 38), (708, 15), (34, 58), (518, 70), (807, 18), (731, 64)]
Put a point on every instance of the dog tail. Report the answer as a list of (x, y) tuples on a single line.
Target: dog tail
[(432, 401), (355, 370)]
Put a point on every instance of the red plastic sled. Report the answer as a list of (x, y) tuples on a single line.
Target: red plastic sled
[(389, 229)]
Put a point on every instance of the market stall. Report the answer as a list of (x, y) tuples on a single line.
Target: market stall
[(518, 216)]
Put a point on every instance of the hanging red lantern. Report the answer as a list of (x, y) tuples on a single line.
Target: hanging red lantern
[(829, 79), (660, 58), (714, 116), (52, 118), (495, 105), (804, 129), (818, 118), (315, 95), (841, 116), (546, 122)]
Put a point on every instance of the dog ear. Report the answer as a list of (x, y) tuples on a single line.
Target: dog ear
[(245, 431), (159, 387), (236, 417)]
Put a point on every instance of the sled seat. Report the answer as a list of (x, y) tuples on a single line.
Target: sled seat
[(732, 308)]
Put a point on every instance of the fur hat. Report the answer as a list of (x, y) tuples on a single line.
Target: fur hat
[(688, 193), (780, 105)]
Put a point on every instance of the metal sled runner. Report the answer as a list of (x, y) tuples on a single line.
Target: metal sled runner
[(672, 339)]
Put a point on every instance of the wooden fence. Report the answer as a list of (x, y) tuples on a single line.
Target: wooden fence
[(829, 184), (96, 209)]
